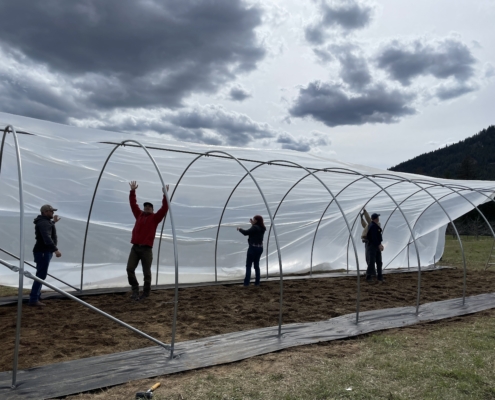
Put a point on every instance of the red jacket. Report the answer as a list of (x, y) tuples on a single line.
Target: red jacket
[(145, 227)]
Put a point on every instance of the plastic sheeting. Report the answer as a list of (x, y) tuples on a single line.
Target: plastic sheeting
[(61, 165), (103, 371)]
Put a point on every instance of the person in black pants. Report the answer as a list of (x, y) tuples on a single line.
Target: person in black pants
[(255, 240), (375, 249)]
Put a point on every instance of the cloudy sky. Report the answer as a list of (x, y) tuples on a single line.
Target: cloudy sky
[(363, 81)]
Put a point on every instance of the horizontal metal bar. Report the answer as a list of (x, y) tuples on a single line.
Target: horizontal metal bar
[(10, 266), (33, 266), (64, 293), (22, 132)]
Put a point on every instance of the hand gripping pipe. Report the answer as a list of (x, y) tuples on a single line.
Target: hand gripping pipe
[(176, 256), (357, 216), (165, 218), (21, 251)]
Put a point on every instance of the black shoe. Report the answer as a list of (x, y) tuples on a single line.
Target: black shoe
[(135, 295), (381, 280), (144, 296), (38, 304)]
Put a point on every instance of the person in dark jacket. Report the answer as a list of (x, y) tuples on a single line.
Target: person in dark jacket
[(143, 236), (46, 244), (375, 249), (255, 240)]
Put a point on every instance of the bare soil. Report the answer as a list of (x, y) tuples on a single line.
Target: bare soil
[(65, 330)]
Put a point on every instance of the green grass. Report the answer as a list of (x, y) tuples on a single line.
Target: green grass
[(10, 291), (439, 362), (476, 252)]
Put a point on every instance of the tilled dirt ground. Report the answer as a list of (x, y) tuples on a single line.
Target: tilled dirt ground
[(65, 330)]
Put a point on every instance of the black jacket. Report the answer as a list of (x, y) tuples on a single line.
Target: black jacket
[(46, 234), (374, 235), (255, 234)]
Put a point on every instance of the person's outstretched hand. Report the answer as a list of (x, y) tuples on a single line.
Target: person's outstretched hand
[(56, 218), (133, 185), (165, 189)]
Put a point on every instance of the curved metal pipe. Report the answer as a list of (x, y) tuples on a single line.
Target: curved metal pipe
[(453, 225), (355, 220), (275, 214), (223, 212), (21, 250), (274, 231), (33, 266), (176, 257), (345, 219), (405, 219), (165, 218)]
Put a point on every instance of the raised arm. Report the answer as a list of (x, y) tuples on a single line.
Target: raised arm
[(133, 201), (363, 222), (160, 214), (367, 216)]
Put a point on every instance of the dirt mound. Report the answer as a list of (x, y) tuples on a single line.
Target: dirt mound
[(65, 330)]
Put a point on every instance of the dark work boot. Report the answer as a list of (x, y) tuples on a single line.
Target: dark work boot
[(144, 296), (135, 293)]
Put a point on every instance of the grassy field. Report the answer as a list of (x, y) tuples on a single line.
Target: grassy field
[(476, 252), (450, 359)]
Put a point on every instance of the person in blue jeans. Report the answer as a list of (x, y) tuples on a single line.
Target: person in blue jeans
[(255, 240), (46, 244)]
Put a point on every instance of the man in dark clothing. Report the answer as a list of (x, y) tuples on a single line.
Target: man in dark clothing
[(45, 246), (143, 236), (375, 249)]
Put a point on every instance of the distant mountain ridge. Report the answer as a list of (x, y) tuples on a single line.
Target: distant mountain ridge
[(471, 158)]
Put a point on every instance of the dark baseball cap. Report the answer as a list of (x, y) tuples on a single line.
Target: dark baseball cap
[(374, 216), (148, 204), (47, 207)]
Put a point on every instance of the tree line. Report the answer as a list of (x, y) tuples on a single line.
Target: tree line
[(470, 159)]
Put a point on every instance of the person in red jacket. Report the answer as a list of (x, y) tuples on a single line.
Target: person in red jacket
[(143, 236)]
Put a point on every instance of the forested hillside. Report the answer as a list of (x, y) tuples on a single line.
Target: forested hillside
[(472, 158)]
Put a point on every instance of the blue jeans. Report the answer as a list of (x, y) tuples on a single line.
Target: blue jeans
[(253, 257), (42, 260)]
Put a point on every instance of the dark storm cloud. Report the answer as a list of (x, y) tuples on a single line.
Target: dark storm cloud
[(347, 15), (235, 129), (332, 105), (208, 124), (353, 67), (303, 144), (133, 53), (442, 59), (238, 93)]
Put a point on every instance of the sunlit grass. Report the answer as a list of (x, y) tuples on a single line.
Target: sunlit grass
[(476, 252)]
